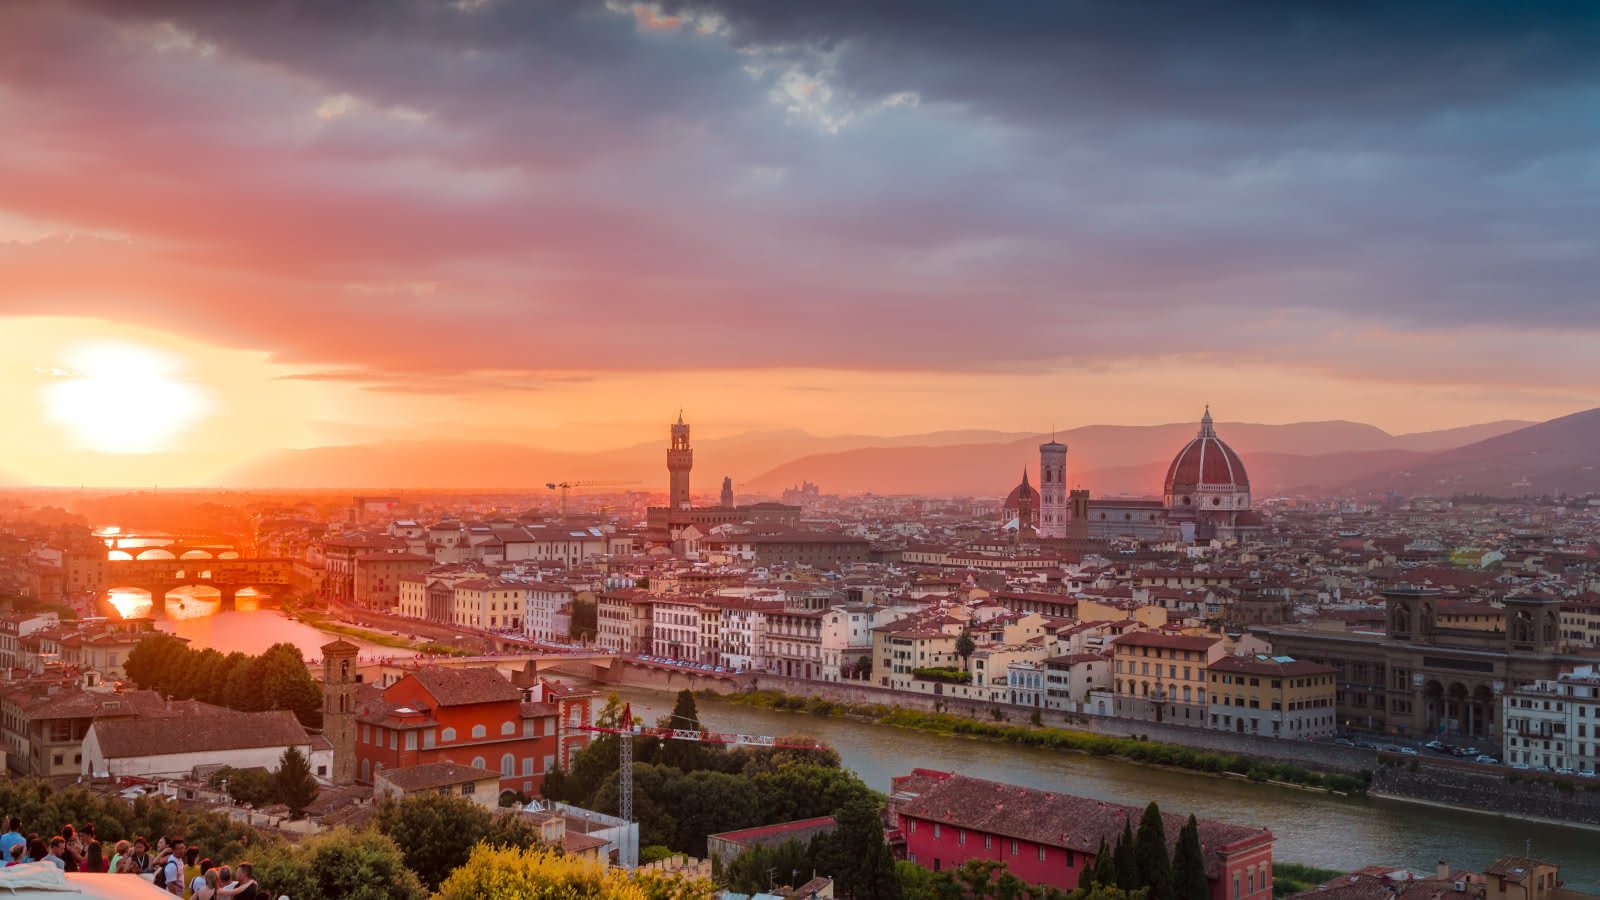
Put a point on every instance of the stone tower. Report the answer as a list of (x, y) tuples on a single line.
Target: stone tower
[(339, 682), (727, 492), (1024, 506), (1053, 490), (680, 459)]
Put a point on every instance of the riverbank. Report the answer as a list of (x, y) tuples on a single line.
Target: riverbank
[(1135, 750), (326, 623)]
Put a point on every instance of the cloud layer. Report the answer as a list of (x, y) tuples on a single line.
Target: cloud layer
[(424, 190)]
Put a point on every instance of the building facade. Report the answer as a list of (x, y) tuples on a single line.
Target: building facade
[(1274, 696), (1555, 723), (1160, 677)]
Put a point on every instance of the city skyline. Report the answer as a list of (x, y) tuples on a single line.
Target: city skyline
[(555, 225)]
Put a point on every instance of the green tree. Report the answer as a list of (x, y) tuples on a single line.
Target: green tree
[(252, 786), (1189, 865), (1150, 853), (584, 624), (339, 865), (685, 755), (1105, 864), (1127, 864), (762, 868), (292, 783), (856, 856), (965, 647), (435, 832)]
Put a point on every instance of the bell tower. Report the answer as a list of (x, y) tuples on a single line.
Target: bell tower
[(680, 459), (339, 682), (1053, 490)]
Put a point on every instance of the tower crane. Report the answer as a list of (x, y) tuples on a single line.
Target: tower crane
[(627, 731), (565, 486)]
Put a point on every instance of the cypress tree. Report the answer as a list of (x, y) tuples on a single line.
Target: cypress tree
[(1123, 855), (1105, 867), (1189, 865), (1150, 853), (1086, 875)]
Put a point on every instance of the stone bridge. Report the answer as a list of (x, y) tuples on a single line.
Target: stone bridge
[(228, 576)]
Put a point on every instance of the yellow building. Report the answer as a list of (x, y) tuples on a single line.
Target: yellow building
[(1162, 677), (1273, 695)]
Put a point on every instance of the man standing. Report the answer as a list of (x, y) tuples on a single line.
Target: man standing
[(58, 846), (172, 868), (12, 837)]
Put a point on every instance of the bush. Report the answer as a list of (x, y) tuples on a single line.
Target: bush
[(944, 674), (535, 874), (339, 865)]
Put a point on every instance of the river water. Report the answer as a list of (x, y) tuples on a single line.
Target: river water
[(196, 614), (1318, 829)]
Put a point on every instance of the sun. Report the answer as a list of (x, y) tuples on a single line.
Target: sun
[(117, 397)]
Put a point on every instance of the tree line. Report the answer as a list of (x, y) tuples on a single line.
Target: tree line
[(276, 679), (1139, 861)]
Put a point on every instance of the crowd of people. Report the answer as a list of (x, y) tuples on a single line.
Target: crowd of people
[(171, 864)]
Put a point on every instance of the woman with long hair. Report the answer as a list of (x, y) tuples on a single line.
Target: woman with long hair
[(93, 860)]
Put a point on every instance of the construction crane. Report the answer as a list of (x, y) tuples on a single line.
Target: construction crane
[(565, 486), (627, 731)]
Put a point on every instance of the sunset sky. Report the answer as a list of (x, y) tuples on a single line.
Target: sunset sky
[(228, 228)]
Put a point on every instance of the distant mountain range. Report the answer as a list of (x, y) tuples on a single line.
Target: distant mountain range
[(1506, 457)]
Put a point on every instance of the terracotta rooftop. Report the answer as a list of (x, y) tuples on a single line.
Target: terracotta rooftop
[(463, 687), (229, 730), (436, 775)]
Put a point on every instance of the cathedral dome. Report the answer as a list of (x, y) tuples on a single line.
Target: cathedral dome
[(1014, 499), (1206, 474)]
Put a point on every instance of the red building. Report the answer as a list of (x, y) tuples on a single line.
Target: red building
[(473, 717), (1048, 838), (575, 708)]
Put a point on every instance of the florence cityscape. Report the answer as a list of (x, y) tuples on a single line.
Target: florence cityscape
[(711, 450)]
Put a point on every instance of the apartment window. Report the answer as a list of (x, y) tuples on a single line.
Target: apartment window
[(1236, 886), (411, 740), (1013, 846), (508, 728), (936, 831), (508, 766), (428, 738), (448, 735), (987, 841), (478, 763), (480, 731), (394, 740), (961, 836), (1041, 853)]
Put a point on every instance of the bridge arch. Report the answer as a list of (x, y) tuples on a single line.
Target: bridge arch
[(153, 553), (197, 554)]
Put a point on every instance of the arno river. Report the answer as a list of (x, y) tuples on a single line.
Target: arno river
[(1318, 829)]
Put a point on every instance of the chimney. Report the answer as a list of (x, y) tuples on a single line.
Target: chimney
[(1444, 870)]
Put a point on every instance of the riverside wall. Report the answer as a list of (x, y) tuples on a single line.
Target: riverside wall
[(1482, 789), (1322, 756)]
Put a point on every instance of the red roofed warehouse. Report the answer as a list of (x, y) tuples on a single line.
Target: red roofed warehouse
[(1048, 838)]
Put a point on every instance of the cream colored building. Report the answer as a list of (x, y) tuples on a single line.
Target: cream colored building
[(1162, 677), (1274, 696)]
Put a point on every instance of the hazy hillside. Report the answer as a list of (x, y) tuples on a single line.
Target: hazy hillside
[(1103, 458), (1554, 456), (1107, 459)]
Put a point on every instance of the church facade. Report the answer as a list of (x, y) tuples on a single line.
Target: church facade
[(1205, 496)]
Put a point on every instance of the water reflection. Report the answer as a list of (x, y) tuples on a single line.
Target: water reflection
[(195, 614)]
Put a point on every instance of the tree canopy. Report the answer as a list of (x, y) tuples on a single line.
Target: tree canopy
[(537, 874), (277, 679), (436, 832)]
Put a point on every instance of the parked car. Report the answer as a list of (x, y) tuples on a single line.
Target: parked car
[(1586, 774), (1521, 767), (1486, 760), (1563, 770), (1409, 751), (1344, 742), (1434, 745)]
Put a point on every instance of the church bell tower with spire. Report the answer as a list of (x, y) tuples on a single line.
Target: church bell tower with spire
[(680, 459)]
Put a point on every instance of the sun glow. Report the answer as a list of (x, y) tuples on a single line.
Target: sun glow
[(117, 397)]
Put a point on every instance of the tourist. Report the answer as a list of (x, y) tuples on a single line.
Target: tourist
[(244, 888), (58, 847), (207, 889), (13, 837), (36, 849), (193, 868), (93, 860), (72, 852), (171, 877), (122, 849), (140, 857), (19, 853), (198, 881)]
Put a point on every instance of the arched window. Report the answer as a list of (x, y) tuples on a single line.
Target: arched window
[(477, 762), (344, 668), (508, 727), (447, 735), (478, 731), (508, 765)]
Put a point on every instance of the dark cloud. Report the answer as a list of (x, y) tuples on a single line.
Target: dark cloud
[(406, 193)]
